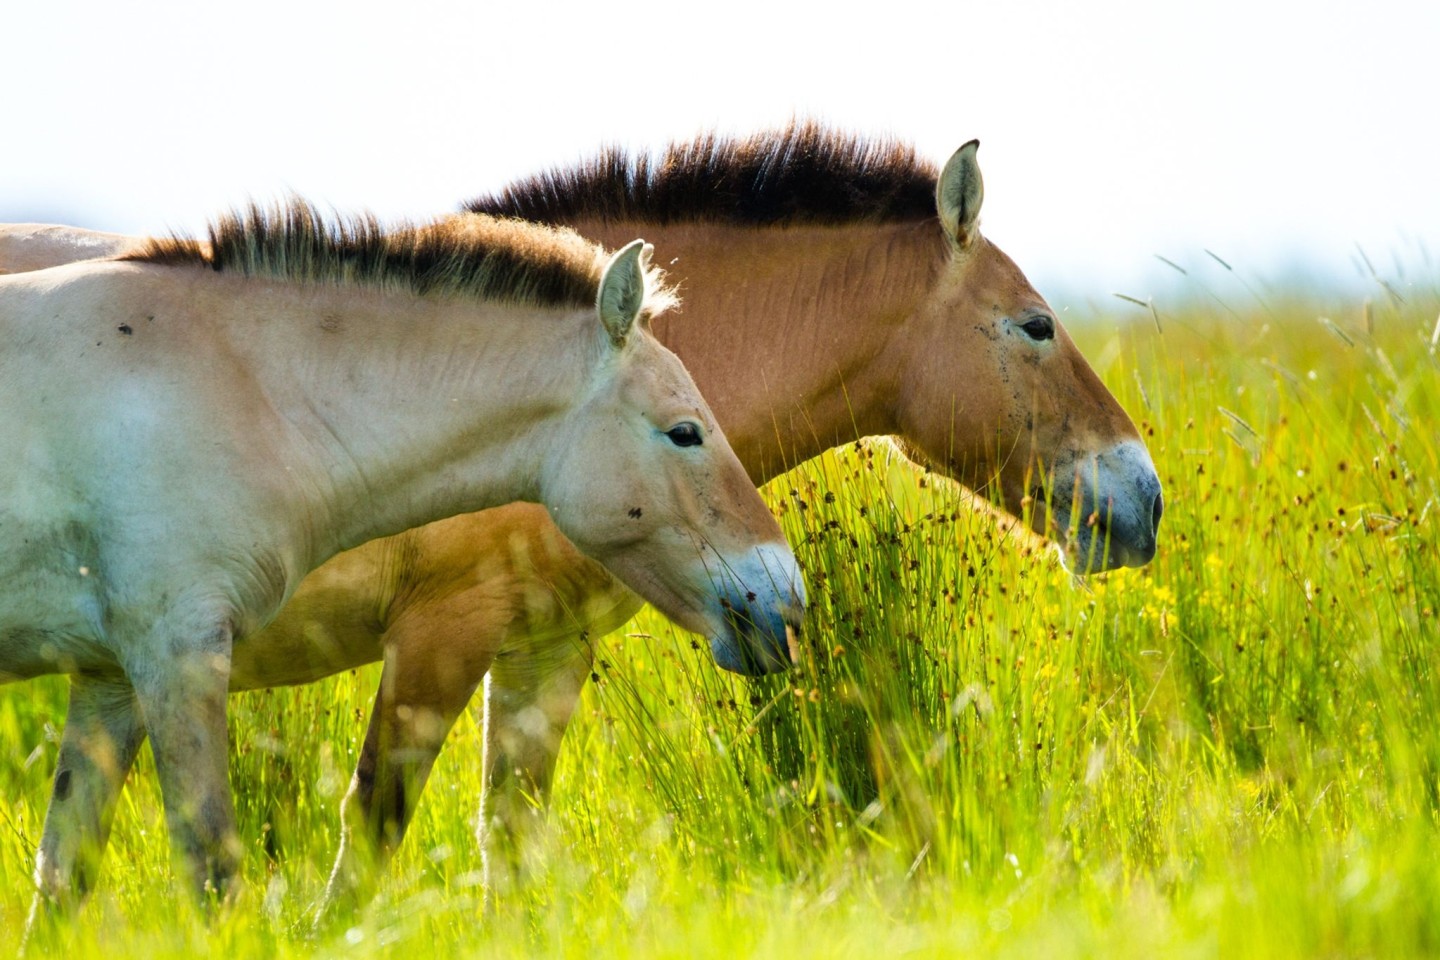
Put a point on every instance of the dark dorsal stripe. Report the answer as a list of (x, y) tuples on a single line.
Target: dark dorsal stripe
[(471, 256), (801, 174)]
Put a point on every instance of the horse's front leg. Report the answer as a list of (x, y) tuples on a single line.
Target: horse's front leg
[(181, 684), (434, 662), (103, 733), (530, 696)]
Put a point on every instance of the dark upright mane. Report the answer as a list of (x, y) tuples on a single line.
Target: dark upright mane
[(474, 256), (801, 174)]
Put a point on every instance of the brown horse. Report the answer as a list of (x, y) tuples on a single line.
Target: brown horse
[(193, 428), (868, 303)]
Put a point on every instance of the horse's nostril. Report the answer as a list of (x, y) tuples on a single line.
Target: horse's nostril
[(1155, 511)]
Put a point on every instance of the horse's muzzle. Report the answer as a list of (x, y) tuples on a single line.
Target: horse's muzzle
[(1120, 510), (763, 606)]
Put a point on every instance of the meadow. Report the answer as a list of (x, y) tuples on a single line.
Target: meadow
[(1231, 752)]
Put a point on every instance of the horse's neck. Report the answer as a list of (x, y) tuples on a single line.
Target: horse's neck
[(784, 329), (418, 409)]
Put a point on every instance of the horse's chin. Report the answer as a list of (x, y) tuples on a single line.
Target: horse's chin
[(1094, 550), (753, 653)]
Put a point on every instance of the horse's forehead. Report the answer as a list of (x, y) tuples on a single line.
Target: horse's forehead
[(986, 273), (654, 374)]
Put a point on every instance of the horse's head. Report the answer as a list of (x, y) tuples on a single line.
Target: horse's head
[(994, 392), (643, 481)]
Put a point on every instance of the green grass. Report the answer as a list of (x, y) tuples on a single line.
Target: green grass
[(1232, 752)]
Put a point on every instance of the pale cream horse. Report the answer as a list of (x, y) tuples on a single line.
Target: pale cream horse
[(189, 431), (866, 302)]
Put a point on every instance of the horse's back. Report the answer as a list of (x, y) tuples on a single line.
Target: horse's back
[(36, 246), (48, 304), (69, 347)]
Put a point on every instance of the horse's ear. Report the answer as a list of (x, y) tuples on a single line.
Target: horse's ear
[(959, 194), (622, 290)]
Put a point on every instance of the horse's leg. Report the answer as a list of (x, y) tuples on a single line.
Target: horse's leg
[(530, 696), (103, 733), (427, 680), (182, 687)]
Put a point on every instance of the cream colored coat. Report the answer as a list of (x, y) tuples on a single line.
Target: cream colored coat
[(183, 446)]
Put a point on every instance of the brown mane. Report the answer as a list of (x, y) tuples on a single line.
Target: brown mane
[(802, 174), (473, 256)]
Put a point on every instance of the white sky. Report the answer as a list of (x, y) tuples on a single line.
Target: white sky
[(1277, 134)]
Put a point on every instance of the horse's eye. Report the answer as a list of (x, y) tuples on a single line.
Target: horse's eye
[(1039, 328), (685, 435)]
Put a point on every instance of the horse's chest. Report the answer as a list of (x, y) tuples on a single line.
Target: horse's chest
[(55, 610), (27, 651), (51, 616)]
